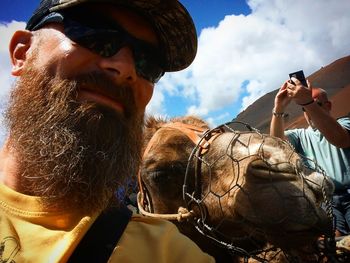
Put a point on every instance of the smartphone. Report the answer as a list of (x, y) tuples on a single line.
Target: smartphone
[(300, 76)]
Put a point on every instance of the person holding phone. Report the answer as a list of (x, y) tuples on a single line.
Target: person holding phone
[(326, 141)]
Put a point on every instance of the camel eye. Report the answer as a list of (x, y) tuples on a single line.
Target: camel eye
[(169, 168), (167, 173)]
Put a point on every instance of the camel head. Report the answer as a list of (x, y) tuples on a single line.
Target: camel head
[(243, 188)]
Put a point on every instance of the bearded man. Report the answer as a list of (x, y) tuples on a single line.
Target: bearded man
[(86, 71)]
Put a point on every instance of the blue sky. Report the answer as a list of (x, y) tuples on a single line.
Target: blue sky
[(246, 49), (205, 13)]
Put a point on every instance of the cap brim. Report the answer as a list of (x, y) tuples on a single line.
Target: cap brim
[(171, 21)]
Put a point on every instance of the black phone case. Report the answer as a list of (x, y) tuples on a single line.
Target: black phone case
[(300, 76)]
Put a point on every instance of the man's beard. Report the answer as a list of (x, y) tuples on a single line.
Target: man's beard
[(73, 154)]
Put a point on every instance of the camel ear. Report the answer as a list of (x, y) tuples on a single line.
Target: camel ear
[(19, 46)]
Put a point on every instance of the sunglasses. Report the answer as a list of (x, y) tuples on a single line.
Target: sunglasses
[(100, 37), (319, 103)]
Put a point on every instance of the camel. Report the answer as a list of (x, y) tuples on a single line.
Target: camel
[(238, 194)]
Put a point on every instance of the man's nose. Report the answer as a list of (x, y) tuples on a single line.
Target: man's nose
[(120, 66)]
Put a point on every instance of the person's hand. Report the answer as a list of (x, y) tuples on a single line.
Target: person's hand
[(282, 98), (299, 93)]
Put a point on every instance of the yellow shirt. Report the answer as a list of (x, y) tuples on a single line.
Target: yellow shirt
[(29, 233)]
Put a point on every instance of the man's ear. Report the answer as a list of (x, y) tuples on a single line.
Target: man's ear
[(19, 46)]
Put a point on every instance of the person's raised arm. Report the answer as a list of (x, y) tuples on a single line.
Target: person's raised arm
[(317, 107), (278, 112), (328, 126)]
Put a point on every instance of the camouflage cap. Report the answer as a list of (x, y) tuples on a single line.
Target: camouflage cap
[(170, 19)]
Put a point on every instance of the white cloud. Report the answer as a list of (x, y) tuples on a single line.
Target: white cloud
[(278, 37), (6, 31)]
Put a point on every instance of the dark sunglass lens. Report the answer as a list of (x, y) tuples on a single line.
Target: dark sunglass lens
[(149, 70), (107, 42), (147, 62), (104, 42), (302, 108), (98, 44), (152, 76)]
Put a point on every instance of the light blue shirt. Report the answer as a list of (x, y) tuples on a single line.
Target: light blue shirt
[(333, 160)]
